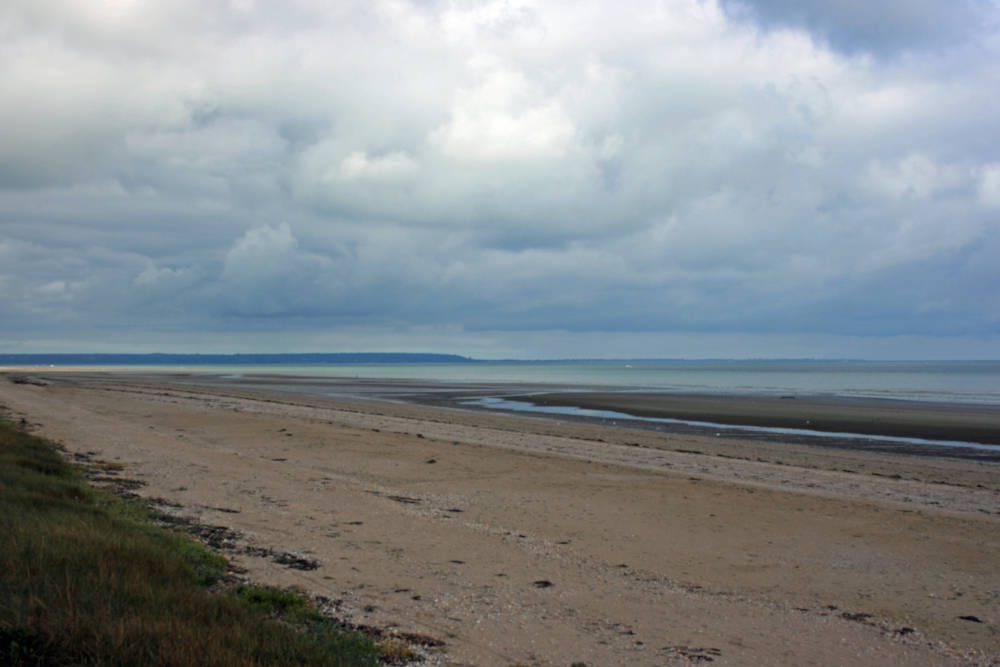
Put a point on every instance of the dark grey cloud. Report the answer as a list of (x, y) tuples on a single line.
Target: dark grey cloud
[(882, 28), (482, 173)]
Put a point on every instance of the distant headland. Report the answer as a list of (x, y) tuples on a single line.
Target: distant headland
[(159, 359)]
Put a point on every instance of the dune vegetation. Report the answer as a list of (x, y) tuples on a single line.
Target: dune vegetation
[(87, 577)]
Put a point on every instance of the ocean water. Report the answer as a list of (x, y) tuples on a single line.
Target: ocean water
[(949, 381)]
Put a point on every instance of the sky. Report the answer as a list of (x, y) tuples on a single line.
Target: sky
[(549, 179)]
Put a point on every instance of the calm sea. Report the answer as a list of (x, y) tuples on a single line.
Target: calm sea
[(950, 381)]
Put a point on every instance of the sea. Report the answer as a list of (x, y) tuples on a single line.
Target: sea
[(973, 382), (483, 382)]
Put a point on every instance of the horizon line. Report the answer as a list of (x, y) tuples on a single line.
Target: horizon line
[(11, 358)]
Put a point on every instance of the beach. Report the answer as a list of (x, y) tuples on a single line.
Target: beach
[(513, 538)]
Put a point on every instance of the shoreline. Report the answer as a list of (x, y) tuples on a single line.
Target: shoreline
[(820, 421)]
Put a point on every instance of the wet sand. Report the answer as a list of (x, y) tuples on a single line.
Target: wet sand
[(930, 421), (515, 539), (881, 417)]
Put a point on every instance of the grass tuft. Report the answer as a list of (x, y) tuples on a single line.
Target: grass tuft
[(395, 653), (279, 603)]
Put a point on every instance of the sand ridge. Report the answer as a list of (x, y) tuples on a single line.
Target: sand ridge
[(526, 540)]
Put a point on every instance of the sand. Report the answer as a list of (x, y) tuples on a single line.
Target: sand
[(523, 540)]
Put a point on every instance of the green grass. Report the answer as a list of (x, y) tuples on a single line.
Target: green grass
[(86, 579), (279, 602)]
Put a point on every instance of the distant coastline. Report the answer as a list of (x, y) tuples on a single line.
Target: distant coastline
[(161, 359)]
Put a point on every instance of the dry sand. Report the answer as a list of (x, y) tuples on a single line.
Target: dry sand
[(520, 540)]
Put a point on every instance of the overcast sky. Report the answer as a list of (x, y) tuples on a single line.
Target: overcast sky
[(673, 178)]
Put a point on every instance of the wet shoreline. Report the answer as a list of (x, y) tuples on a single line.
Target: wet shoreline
[(835, 415), (845, 423)]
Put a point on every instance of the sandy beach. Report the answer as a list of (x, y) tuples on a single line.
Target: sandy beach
[(520, 540)]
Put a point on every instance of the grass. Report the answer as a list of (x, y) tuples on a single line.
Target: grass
[(86, 579)]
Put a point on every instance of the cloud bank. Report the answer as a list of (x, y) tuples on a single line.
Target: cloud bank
[(487, 176)]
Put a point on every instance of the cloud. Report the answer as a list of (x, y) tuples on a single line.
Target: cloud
[(989, 185), (882, 28), (392, 167), (266, 274), (504, 119), (914, 176), (500, 168)]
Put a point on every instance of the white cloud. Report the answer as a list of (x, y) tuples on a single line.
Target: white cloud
[(469, 23), (914, 176), (989, 185), (393, 167), (504, 118), (261, 251), (55, 289)]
